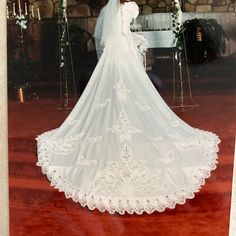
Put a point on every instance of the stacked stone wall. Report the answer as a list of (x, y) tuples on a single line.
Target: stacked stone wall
[(91, 8)]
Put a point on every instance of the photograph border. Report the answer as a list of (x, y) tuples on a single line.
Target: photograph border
[(4, 198)]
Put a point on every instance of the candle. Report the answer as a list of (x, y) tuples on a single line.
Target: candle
[(146, 24), (7, 13), (32, 11), (39, 17), (14, 9), (26, 9), (19, 5)]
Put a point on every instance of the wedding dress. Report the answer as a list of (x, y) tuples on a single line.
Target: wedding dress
[(122, 149)]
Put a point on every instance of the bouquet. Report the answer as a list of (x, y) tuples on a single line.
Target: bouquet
[(141, 43)]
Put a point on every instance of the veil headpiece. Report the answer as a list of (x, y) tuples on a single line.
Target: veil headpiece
[(108, 26)]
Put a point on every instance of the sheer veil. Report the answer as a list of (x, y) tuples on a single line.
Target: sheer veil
[(108, 26)]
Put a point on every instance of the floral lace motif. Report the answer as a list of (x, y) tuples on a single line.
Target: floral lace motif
[(121, 91), (97, 139), (168, 158), (165, 159), (189, 143), (127, 176), (124, 129), (128, 204), (83, 162), (64, 146), (201, 138)]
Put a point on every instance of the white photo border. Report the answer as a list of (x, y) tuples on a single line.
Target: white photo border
[(4, 186)]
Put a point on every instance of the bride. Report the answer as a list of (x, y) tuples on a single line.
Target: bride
[(122, 149)]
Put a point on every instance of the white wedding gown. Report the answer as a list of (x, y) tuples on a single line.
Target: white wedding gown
[(122, 149)]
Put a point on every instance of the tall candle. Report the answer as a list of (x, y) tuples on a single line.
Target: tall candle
[(39, 17), (7, 13), (14, 9), (26, 9), (19, 5), (32, 11), (146, 23)]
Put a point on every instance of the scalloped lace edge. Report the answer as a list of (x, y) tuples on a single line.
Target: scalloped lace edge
[(129, 205)]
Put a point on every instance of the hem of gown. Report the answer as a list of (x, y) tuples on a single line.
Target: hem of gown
[(132, 205)]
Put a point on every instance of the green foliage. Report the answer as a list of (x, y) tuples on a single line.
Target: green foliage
[(20, 70), (212, 44)]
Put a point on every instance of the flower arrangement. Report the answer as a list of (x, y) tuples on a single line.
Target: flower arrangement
[(141, 43), (21, 21), (134, 26), (176, 16)]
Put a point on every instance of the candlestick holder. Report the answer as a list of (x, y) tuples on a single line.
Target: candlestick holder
[(66, 67), (22, 16)]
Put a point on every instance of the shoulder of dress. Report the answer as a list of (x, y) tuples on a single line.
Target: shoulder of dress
[(130, 3)]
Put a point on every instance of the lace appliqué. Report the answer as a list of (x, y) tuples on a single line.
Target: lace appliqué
[(105, 103), (189, 143), (83, 162), (95, 139), (121, 91), (168, 158), (124, 129), (126, 177), (165, 159), (115, 203), (64, 146), (142, 107)]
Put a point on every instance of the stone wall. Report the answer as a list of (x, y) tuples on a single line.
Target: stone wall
[(91, 8), (209, 5)]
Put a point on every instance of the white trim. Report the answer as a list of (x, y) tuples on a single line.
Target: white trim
[(232, 226), (4, 201)]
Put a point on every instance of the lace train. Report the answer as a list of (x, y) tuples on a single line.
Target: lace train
[(129, 204)]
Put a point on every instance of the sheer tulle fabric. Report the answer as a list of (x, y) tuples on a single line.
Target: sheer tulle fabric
[(122, 149), (108, 25)]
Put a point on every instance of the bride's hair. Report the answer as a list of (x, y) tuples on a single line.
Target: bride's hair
[(123, 1)]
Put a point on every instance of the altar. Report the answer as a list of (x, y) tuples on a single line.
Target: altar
[(159, 39), (163, 21)]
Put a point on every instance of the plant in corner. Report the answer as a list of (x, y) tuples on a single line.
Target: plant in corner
[(20, 72), (205, 40)]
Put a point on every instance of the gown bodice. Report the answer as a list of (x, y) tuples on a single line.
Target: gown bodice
[(129, 11)]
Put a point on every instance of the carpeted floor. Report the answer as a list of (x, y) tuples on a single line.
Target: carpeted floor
[(37, 209)]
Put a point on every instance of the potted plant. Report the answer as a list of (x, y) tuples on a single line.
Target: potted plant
[(20, 74), (205, 40)]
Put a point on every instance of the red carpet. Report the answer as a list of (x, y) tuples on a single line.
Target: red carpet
[(37, 209)]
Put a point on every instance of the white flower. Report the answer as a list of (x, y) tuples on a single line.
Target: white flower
[(136, 27), (178, 20), (64, 3), (141, 42), (179, 12), (21, 21)]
